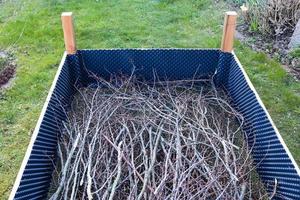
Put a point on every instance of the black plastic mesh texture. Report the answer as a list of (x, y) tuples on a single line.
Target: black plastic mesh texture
[(37, 174), (168, 64)]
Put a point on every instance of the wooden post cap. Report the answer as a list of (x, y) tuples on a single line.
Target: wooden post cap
[(69, 34), (228, 31)]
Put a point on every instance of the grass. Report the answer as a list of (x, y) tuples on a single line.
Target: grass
[(32, 31)]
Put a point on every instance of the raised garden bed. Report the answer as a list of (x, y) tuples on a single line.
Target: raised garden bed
[(274, 163)]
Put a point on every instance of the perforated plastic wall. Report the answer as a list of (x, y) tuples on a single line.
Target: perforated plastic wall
[(273, 159), (37, 174), (165, 63)]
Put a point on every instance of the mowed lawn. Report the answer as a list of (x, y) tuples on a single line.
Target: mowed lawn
[(31, 30)]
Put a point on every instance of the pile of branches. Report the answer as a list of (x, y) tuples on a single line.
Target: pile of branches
[(126, 139)]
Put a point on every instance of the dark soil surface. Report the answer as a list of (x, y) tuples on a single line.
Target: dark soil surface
[(7, 68), (6, 74), (276, 48)]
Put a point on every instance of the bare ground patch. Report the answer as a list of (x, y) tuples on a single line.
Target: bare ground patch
[(276, 48), (7, 68)]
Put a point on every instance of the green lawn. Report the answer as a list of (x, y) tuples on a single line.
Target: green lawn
[(32, 31)]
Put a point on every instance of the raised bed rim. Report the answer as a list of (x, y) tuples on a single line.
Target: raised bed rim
[(267, 113), (36, 130)]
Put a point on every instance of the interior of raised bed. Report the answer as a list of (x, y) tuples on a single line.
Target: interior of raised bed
[(275, 164)]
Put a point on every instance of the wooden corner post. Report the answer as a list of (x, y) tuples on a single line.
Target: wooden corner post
[(228, 31), (69, 34)]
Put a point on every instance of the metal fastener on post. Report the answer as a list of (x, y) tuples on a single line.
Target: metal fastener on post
[(228, 31), (69, 34)]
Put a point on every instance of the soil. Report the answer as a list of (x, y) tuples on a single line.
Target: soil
[(7, 70), (276, 48)]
